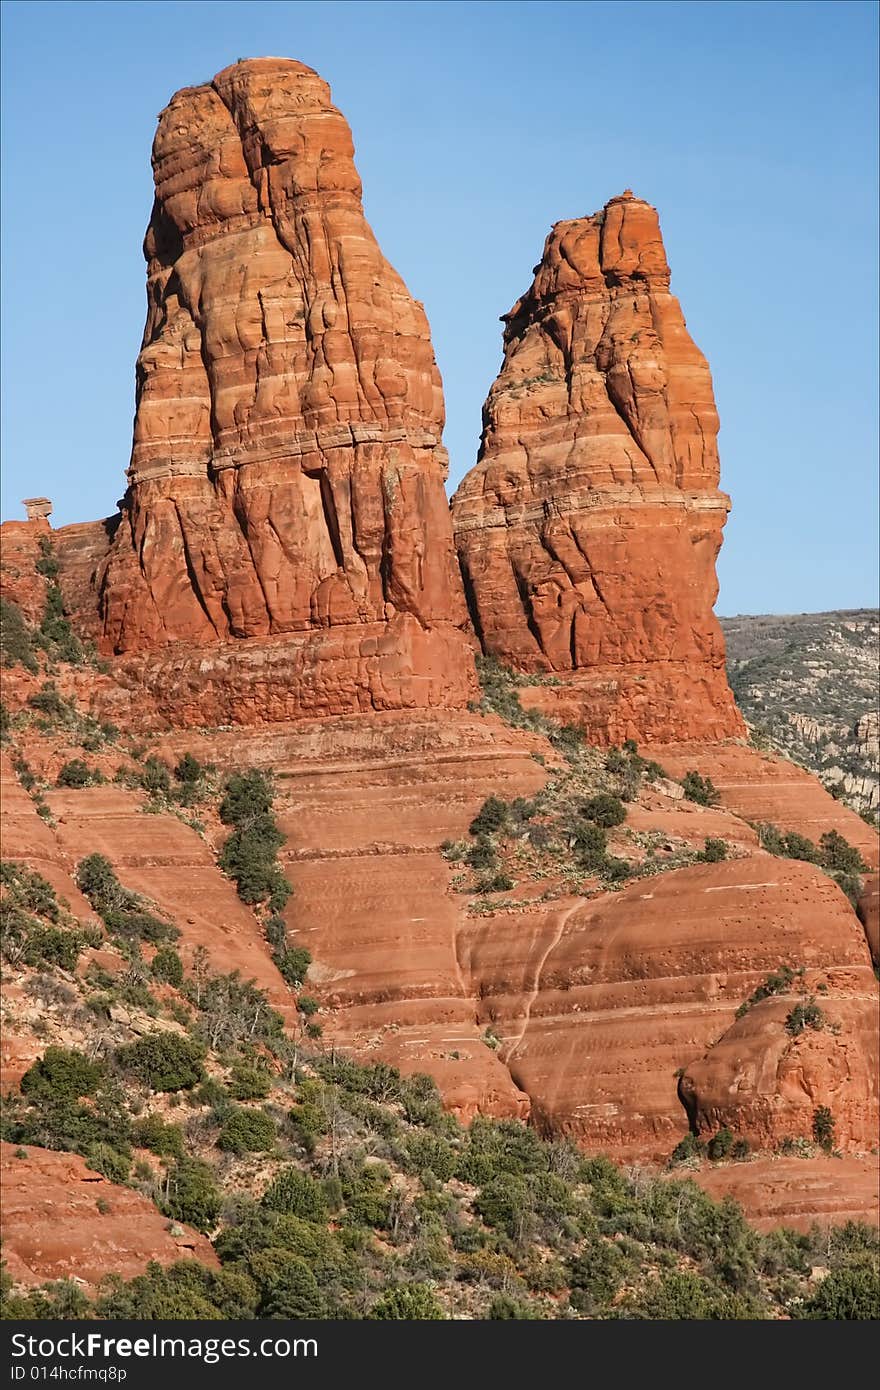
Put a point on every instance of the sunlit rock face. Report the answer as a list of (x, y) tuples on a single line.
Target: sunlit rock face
[(589, 529), (287, 476)]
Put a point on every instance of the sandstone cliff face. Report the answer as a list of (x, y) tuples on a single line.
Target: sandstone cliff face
[(761, 1082), (22, 584), (286, 480), (595, 1003), (589, 529)]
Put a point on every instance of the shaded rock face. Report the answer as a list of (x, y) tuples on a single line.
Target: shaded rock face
[(287, 471), (589, 529)]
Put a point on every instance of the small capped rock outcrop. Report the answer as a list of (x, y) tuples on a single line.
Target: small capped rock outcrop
[(589, 529)]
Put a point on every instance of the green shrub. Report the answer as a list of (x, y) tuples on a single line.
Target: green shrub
[(246, 1131), (850, 884), (616, 762), (309, 1122), (595, 1274), (186, 1290), (163, 1061), (97, 880), (248, 857), (770, 839), (29, 889), (495, 883), (249, 1082), (590, 842), (491, 816), (839, 856), (713, 851), (846, 1295), (48, 701), (77, 773), (138, 925), (799, 847), (366, 1196), (189, 770), (160, 1138), (499, 686), (155, 778), (247, 796), (686, 1148), (44, 945), (16, 646), (103, 1158), (46, 563), (431, 1154), (700, 789), (606, 810), (408, 1303), (290, 1287), (168, 967), (293, 962), (802, 1016), (569, 739), (62, 1074), (720, 1145), (823, 1127), (297, 1194), (503, 1307), (275, 930), (121, 910), (482, 854), (613, 869), (681, 1295), (779, 982), (192, 1195), (56, 635)]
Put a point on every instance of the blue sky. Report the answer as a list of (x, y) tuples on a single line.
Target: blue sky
[(750, 126)]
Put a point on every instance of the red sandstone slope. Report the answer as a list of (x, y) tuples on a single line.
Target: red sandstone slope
[(589, 529), (797, 1194), (52, 1227), (599, 1003), (286, 481)]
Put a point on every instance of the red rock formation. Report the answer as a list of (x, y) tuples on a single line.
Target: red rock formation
[(869, 914), (597, 1003), (364, 804), (19, 552), (589, 529), (286, 482), (601, 1003), (765, 1085), (795, 1192), (767, 788), (172, 866), (52, 1228)]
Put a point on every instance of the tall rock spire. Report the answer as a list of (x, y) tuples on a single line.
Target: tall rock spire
[(286, 477), (589, 528)]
